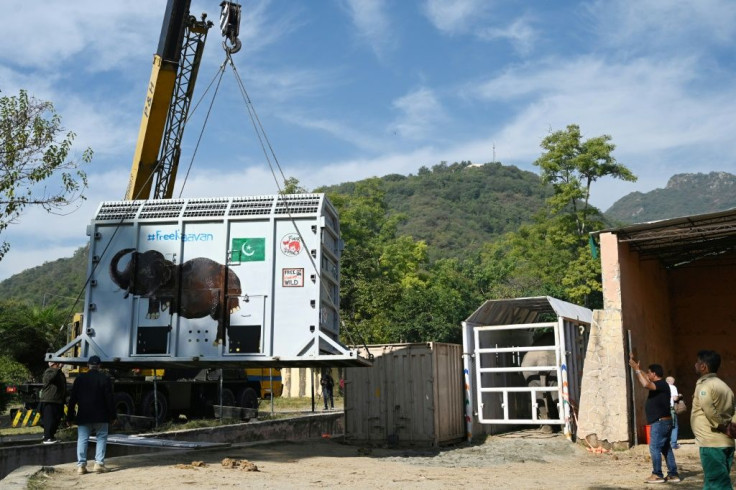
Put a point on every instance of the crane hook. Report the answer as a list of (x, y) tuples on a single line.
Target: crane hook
[(230, 26)]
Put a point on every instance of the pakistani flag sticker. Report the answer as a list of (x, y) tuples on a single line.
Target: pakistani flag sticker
[(249, 249)]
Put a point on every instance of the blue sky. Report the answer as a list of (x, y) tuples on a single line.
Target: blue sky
[(349, 89)]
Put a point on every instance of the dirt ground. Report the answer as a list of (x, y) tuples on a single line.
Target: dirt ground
[(529, 459)]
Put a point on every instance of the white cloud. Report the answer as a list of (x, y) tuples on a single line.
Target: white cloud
[(420, 112), (45, 36), (519, 33), (670, 26), (259, 28), (372, 22), (288, 84), (456, 16), (646, 105), (338, 129)]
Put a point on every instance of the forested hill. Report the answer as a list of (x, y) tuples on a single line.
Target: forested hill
[(457, 207), (684, 195), (454, 208), (53, 283)]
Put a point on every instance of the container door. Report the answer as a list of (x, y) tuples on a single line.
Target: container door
[(517, 369)]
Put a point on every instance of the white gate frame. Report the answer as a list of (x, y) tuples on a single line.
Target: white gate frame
[(560, 368)]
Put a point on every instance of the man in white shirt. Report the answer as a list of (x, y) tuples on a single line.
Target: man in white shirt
[(674, 396)]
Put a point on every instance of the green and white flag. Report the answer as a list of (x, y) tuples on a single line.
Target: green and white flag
[(249, 249)]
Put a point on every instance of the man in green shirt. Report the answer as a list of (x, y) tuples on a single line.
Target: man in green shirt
[(712, 406)]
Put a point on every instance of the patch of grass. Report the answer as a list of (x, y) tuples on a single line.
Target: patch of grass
[(14, 431), (303, 404)]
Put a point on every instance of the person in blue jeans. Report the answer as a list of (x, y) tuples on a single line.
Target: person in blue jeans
[(91, 406), (659, 418), (675, 395)]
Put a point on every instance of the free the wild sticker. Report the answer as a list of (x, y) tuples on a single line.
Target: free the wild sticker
[(292, 278)]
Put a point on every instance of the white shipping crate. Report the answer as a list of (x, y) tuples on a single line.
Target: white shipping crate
[(214, 282)]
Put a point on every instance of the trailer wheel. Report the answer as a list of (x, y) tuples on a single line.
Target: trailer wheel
[(228, 398), (148, 405), (124, 404), (247, 398)]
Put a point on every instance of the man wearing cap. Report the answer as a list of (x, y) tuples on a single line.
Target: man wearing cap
[(92, 406)]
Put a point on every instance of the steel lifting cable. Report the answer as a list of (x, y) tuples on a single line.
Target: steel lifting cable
[(258, 128), (261, 134), (220, 72)]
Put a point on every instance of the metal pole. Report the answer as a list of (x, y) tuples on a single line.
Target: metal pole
[(468, 346), (312, 383), (155, 398), (220, 395), (270, 381), (633, 394)]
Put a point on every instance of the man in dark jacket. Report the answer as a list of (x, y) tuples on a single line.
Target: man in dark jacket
[(52, 398), (92, 393)]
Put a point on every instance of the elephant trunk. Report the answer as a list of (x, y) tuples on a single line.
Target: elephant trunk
[(122, 279)]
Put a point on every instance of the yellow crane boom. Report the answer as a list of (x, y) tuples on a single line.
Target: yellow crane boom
[(169, 95)]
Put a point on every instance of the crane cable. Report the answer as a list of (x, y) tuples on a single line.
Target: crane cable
[(220, 72), (262, 136), (258, 127)]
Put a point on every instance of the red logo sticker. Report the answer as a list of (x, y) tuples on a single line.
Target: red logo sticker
[(291, 244)]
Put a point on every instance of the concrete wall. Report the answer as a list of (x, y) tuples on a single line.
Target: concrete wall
[(603, 413), (294, 429)]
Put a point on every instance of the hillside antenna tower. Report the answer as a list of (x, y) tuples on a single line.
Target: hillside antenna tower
[(494, 153)]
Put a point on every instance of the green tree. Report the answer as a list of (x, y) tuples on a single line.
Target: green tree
[(363, 226), (29, 332), (551, 256), (35, 160), (11, 373), (529, 262), (389, 290), (291, 186), (571, 165), (432, 309)]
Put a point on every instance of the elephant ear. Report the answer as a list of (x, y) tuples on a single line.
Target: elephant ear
[(157, 276), (168, 272)]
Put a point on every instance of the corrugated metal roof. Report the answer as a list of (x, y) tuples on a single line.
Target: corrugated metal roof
[(679, 241), (516, 311)]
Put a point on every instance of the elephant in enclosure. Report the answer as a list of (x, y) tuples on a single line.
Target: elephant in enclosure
[(546, 401), (194, 289)]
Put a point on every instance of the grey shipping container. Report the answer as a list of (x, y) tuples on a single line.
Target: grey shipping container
[(411, 396)]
